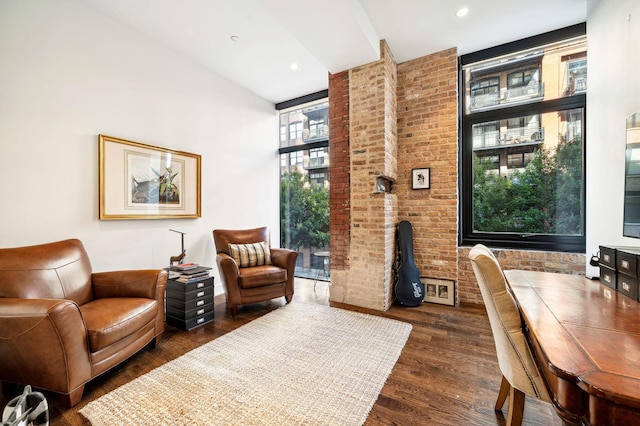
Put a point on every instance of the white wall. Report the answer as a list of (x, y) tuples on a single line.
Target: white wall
[(613, 36), (69, 73)]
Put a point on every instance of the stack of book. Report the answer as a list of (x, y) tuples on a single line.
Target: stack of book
[(189, 272)]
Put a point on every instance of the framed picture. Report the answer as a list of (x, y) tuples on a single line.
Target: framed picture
[(420, 178), (439, 291), (139, 181)]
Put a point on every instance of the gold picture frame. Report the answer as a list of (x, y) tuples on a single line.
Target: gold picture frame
[(140, 181)]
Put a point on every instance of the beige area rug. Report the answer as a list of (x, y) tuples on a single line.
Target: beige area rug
[(301, 364)]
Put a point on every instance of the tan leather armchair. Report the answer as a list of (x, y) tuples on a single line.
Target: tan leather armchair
[(244, 285), (519, 373), (62, 325)]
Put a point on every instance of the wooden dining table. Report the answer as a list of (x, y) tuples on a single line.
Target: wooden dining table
[(585, 338)]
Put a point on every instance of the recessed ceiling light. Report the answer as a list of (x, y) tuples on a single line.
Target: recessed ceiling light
[(235, 38), (293, 66), (462, 12)]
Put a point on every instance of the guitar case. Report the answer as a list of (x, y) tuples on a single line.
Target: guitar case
[(408, 289)]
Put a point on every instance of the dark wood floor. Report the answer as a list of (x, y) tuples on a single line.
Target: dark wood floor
[(447, 374)]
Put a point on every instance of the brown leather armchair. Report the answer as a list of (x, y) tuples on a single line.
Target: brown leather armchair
[(244, 285), (62, 325)]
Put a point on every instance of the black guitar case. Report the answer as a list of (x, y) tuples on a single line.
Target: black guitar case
[(408, 289)]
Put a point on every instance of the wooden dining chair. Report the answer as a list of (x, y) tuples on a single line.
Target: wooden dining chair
[(520, 375)]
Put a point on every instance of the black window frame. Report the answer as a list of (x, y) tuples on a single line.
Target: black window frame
[(545, 242)]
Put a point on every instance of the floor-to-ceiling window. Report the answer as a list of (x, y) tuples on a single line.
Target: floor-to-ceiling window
[(304, 183), (523, 145)]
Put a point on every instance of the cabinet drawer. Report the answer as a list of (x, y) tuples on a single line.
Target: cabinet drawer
[(174, 285), (190, 304), (190, 323), (628, 286), (608, 277), (608, 256), (191, 313), (626, 263), (189, 295)]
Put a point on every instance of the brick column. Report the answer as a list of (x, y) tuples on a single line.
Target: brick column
[(364, 279), (339, 188)]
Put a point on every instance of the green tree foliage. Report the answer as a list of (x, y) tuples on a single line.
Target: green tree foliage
[(304, 210), (546, 197)]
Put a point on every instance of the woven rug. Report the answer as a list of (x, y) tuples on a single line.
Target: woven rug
[(301, 364)]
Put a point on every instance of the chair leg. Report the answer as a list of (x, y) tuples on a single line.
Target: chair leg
[(288, 298), (516, 407), (233, 311), (505, 386), (72, 398)]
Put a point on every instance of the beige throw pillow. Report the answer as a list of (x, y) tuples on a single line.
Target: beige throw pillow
[(247, 255)]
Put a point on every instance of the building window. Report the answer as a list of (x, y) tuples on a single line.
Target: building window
[(522, 157), (296, 159), (485, 92), (304, 183), (522, 78), (295, 130), (486, 135), (316, 129), (577, 75)]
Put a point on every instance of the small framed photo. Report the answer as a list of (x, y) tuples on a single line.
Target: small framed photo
[(139, 181), (438, 291), (420, 178)]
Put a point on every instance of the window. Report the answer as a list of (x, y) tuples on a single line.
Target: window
[(318, 157), (577, 75), (295, 130), (522, 160), (485, 92), (316, 129), (304, 183), (296, 158)]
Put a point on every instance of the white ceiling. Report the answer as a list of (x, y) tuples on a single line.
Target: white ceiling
[(329, 36)]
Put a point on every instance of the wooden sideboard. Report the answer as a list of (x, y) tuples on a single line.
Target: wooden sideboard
[(585, 337)]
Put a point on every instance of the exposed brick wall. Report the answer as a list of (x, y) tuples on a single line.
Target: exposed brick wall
[(372, 153), (427, 137), (549, 261), (339, 181), (388, 119)]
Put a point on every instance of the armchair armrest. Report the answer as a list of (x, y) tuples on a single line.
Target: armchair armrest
[(229, 274), (44, 343), (284, 258), (148, 283)]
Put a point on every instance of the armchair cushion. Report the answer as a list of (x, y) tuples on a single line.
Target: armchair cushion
[(112, 319), (249, 255), (260, 276)]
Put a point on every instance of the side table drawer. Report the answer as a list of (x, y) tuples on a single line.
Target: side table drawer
[(190, 295), (628, 286), (184, 314), (608, 277), (189, 305), (608, 256), (626, 263), (190, 323), (178, 286)]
